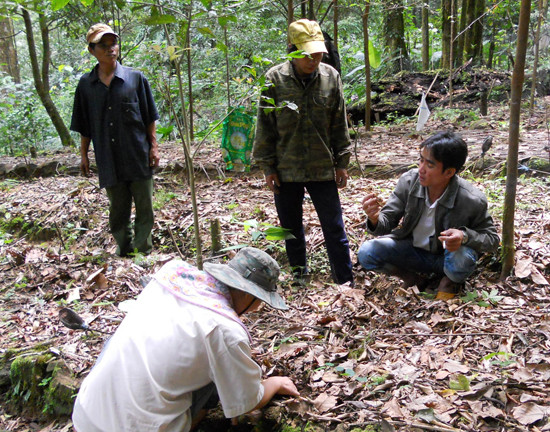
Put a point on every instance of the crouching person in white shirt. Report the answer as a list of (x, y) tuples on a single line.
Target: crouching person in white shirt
[(183, 347)]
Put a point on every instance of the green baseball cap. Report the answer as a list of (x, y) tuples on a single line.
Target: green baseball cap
[(252, 271)]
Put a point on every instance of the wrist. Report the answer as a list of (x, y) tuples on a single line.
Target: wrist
[(464, 237)]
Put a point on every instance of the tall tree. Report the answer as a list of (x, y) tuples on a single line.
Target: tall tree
[(394, 25), (448, 29), (8, 52), (425, 36), (508, 248), (41, 74), (542, 8), (367, 64)]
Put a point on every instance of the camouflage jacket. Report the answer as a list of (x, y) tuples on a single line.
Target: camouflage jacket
[(303, 135)]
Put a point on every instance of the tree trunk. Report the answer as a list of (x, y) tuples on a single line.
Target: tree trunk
[(445, 33), (459, 54), (425, 37), (368, 101), (190, 73), (541, 8), (477, 30), (508, 249), (290, 17), (394, 25), (469, 34), (41, 76), (8, 52), (335, 23), (491, 53)]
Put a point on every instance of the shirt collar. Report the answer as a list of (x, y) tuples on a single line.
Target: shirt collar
[(120, 72)]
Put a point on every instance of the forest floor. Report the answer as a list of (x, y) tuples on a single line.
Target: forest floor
[(372, 357)]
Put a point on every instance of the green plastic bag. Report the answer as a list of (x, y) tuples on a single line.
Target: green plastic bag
[(237, 140)]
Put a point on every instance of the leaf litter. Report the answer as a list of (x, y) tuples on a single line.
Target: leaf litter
[(375, 354)]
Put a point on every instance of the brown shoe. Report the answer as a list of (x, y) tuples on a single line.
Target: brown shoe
[(447, 289)]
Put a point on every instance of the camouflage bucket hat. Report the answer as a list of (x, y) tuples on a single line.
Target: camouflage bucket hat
[(97, 31), (252, 271), (307, 36)]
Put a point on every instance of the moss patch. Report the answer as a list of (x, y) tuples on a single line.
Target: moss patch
[(41, 386)]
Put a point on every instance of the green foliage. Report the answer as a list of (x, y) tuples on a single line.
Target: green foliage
[(461, 383), (498, 362), (483, 299), (263, 230)]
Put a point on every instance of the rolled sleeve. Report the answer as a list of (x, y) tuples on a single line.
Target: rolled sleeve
[(236, 376)]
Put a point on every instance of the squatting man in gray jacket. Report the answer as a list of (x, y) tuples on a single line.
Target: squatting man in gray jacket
[(434, 223)]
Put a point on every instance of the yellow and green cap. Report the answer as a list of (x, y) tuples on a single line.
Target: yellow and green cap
[(307, 36)]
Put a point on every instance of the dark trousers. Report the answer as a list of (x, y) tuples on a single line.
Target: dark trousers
[(120, 209), (325, 198)]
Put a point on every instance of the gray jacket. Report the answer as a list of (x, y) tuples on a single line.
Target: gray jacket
[(462, 206)]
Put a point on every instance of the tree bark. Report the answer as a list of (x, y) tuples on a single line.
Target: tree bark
[(477, 37), (394, 25), (8, 51), (368, 101), (190, 73), (469, 34), (445, 34), (335, 23), (508, 248), (459, 55), (541, 8), (41, 76), (425, 37)]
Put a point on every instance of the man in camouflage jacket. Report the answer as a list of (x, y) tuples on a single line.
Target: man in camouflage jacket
[(302, 143)]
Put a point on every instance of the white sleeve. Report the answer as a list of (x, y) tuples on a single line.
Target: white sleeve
[(236, 375)]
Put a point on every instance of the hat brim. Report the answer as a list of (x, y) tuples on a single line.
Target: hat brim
[(230, 277), (98, 37), (312, 47)]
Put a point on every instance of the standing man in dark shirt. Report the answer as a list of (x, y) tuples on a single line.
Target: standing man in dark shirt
[(114, 108)]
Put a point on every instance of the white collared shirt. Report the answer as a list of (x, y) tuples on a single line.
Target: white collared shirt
[(425, 228)]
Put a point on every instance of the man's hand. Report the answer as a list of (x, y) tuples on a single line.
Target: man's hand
[(451, 239), (154, 157), (273, 182), (371, 206), (341, 178)]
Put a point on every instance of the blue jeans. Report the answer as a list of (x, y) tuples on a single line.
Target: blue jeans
[(387, 254), (327, 205)]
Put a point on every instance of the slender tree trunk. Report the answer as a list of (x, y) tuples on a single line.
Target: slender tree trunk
[(8, 51), (451, 53), (227, 73), (459, 54), (445, 34), (469, 34), (541, 8), (368, 101), (311, 10), (395, 35), (335, 23), (190, 73), (290, 17), (41, 76), (491, 53), (425, 37), (508, 248), (183, 128), (477, 39)]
